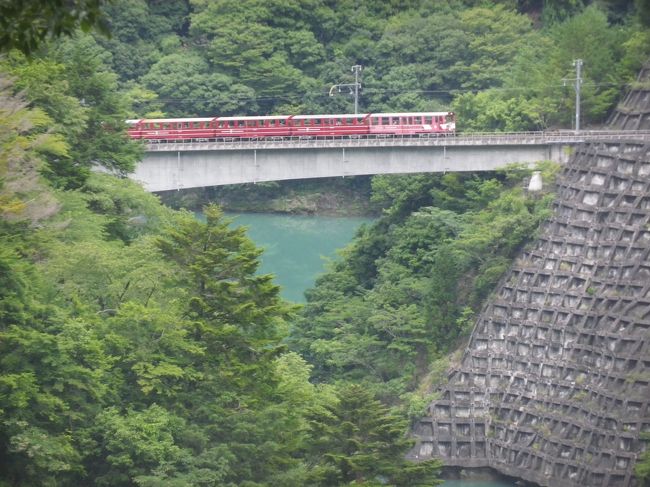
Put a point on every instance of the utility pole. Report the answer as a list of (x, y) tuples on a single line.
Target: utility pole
[(578, 83), (354, 87), (356, 68), (578, 64)]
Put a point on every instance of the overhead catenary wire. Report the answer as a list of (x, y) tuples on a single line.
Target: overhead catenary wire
[(284, 96)]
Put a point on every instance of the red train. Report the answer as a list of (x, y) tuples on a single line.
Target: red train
[(272, 126)]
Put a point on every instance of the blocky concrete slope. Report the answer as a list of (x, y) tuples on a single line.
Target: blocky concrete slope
[(554, 386)]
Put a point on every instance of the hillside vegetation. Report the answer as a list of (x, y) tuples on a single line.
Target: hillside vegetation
[(138, 346)]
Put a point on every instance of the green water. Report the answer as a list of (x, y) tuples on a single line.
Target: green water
[(296, 247)]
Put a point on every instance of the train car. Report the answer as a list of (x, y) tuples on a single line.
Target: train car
[(412, 123), (329, 125), (171, 129), (252, 127)]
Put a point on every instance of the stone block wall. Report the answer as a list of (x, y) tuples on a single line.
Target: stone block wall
[(554, 386)]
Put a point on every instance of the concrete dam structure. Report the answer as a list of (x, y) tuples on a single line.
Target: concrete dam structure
[(554, 385)]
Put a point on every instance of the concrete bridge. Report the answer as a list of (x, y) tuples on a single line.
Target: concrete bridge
[(199, 163)]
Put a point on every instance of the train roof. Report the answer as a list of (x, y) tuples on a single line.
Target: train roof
[(342, 115), (261, 117), (410, 114), (175, 120)]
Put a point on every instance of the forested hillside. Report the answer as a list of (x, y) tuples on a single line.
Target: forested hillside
[(500, 64), (138, 346)]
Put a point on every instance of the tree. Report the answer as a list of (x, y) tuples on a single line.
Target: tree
[(24, 143), (190, 88), (25, 25), (359, 441), (104, 141)]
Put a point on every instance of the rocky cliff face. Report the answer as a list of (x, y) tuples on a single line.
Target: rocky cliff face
[(554, 386)]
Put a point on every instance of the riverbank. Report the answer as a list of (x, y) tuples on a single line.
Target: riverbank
[(325, 197)]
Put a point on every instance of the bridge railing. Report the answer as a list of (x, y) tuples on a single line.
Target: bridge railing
[(459, 139)]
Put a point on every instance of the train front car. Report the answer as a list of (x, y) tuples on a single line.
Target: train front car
[(448, 126), (133, 128), (171, 129), (343, 125), (410, 124)]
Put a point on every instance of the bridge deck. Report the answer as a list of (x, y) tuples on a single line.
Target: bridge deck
[(193, 163), (462, 139)]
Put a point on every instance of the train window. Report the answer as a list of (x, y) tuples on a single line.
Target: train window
[(316, 121)]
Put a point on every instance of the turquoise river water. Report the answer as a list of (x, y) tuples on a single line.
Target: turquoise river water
[(296, 247)]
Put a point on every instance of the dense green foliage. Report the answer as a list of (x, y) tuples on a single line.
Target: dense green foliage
[(138, 346), (409, 286), (361, 438), (25, 25), (200, 58)]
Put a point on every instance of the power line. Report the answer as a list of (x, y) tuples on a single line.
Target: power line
[(377, 91)]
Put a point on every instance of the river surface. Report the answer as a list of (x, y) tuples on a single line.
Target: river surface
[(297, 247)]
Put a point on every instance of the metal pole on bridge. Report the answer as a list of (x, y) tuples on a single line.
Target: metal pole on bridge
[(356, 68), (353, 87), (578, 64)]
